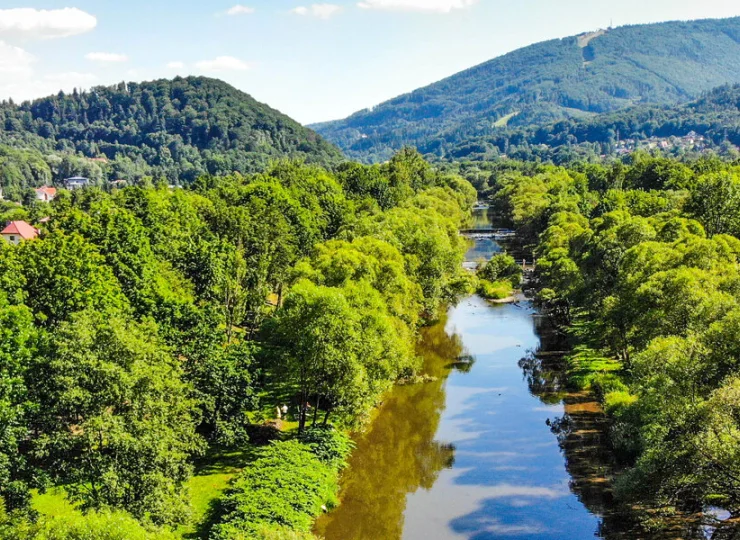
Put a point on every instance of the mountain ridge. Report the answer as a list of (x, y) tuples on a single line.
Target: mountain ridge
[(662, 63)]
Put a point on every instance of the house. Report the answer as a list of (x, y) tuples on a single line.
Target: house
[(16, 231), (76, 182), (46, 193), (118, 183)]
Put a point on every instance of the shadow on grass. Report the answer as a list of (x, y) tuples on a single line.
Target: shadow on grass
[(213, 515), (219, 463), (223, 461)]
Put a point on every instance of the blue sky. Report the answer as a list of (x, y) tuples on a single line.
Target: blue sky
[(313, 61)]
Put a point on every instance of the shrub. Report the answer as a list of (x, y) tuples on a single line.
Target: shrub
[(624, 432), (502, 267), (497, 290), (604, 384), (330, 445), (285, 487)]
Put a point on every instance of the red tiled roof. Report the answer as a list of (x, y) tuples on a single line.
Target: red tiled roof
[(22, 229), (48, 190)]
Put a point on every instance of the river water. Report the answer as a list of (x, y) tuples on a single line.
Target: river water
[(493, 448)]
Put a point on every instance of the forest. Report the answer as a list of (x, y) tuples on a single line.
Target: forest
[(150, 331), (715, 117), (178, 129), (637, 264)]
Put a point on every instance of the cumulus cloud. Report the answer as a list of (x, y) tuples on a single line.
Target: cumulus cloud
[(240, 10), (322, 11), (106, 58), (428, 6), (19, 81), (223, 63), (29, 23), (15, 61), (175, 65)]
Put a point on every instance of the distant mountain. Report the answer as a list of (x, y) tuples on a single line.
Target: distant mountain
[(575, 77), (709, 123), (178, 129)]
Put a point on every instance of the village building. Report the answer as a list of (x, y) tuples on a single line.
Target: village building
[(46, 193), (17, 231), (76, 182)]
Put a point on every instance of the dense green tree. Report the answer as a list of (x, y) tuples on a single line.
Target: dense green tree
[(114, 416), (65, 274), (17, 346), (716, 203)]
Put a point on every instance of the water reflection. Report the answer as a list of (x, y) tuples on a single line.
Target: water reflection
[(398, 454), (467, 457), (481, 218), (509, 477), (495, 447), (581, 429), (483, 248)]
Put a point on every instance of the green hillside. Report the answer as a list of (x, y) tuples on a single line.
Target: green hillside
[(178, 129), (715, 118), (575, 77)]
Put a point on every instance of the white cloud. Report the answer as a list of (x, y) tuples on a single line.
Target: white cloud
[(19, 81), (15, 61), (175, 65), (29, 23), (240, 10), (428, 6), (322, 11), (223, 63), (107, 58)]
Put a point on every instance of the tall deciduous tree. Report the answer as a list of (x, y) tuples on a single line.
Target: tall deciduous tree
[(114, 418)]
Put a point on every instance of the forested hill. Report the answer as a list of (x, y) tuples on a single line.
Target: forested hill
[(579, 76), (177, 128), (714, 119)]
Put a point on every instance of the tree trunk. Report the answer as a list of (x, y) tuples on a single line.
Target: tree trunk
[(280, 296), (302, 412), (316, 410)]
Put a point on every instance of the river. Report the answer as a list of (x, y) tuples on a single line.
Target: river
[(493, 448)]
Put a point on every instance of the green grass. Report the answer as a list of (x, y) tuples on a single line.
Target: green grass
[(53, 503), (585, 364), (213, 474), (504, 120)]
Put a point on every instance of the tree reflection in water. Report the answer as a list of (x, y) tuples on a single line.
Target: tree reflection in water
[(582, 434), (398, 454)]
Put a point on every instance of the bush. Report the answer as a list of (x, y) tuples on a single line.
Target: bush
[(285, 488), (502, 267), (607, 383), (330, 445), (616, 402), (497, 290), (624, 432)]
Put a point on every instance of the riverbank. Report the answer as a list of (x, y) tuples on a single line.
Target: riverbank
[(448, 458)]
